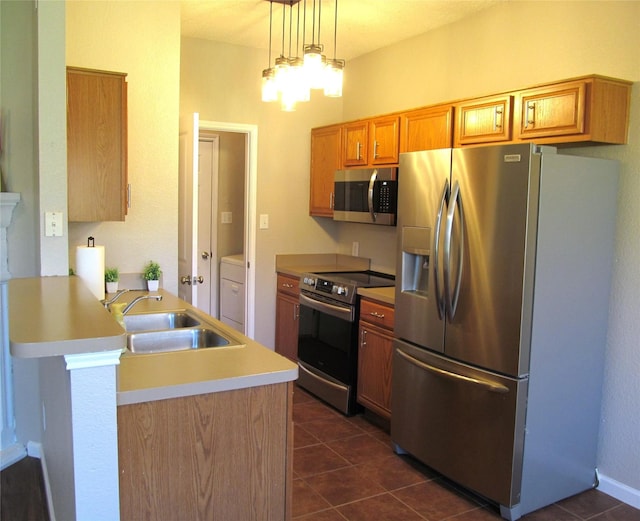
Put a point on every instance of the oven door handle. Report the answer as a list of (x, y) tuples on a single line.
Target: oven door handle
[(342, 312)]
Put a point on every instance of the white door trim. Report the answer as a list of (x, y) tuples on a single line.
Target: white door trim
[(251, 167)]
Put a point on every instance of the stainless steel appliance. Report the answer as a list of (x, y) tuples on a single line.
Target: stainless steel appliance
[(328, 334), (366, 196), (504, 263)]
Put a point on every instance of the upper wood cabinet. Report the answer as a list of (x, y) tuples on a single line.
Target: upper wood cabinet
[(483, 120), (325, 160), (371, 142), (96, 145), (592, 109), (355, 143), (385, 140), (426, 129)]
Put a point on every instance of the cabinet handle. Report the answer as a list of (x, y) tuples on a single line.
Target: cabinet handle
[(376, 314), (331, 200), (296, 312), (363, 339), (358, 151), (497, 112), (531, 109), (287, 285), (375, 150)]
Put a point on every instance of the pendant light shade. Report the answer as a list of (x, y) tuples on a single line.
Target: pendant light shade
[(293, 76), (269, 85), (333, 78)]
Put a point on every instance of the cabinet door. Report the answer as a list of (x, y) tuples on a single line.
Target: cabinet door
[(325, 160), (385, 140), (96, 145), (374, 369), (287, 320), (557, 110), (355, 140), (427, 129), (486, 120)]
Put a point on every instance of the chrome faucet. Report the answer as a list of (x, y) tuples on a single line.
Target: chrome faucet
[(106, 303), (138, 299)]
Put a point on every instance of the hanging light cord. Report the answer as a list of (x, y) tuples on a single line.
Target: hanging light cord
[(335, 32), (270, 28)]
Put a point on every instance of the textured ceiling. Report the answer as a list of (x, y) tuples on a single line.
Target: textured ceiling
[(363, 25)]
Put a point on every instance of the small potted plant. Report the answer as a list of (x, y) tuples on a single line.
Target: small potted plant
[(152, 274), (111, 277)]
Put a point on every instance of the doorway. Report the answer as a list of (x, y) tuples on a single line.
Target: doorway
[(192, 129), (221, 220)]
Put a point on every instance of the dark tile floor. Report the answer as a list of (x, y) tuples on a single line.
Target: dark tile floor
[(345, 469)]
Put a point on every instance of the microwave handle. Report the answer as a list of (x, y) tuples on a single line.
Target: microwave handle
[(372, 182)]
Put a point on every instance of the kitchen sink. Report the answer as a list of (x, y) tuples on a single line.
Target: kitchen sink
[(175, 340), (159, 321)]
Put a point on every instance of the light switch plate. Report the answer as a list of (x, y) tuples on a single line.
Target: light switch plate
[(264, 221), (53, 226), (227, 218)]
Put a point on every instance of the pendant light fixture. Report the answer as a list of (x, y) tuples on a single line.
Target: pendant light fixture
[(334, 68), (292, 76), (269, 86)]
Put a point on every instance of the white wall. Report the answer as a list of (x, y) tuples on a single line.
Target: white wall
[(514, 45), (143, 40)]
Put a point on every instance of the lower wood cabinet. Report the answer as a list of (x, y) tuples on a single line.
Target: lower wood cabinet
[(225, 455), (287, 316), (375, 350)]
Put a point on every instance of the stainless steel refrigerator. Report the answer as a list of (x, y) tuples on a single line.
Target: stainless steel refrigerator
[(502, 288)]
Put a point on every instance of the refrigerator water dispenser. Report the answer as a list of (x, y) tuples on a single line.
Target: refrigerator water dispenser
[(416, 250)]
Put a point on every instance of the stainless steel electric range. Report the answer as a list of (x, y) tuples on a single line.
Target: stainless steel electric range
[(328, 334)]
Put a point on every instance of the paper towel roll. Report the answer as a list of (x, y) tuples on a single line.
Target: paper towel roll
[(90, 268)]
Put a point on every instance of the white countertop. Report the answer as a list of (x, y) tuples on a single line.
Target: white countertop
[(54, 316)]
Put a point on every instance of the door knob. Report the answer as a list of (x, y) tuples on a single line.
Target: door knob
[(205, 255), (199, 279), (185, 280)]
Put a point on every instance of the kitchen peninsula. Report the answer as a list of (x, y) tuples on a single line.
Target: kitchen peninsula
[(134, 431)]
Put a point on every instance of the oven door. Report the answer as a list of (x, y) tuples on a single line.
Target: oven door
[(327, 351)]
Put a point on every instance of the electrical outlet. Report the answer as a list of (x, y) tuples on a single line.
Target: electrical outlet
[(53, 224), (355, 248)]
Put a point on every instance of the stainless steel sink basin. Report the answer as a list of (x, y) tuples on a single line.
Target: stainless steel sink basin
[(175, 340), (158, 321)]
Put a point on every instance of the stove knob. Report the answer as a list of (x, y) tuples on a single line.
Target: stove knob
[(340, 290)]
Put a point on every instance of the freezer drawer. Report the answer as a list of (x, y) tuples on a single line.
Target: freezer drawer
[(466, 423)]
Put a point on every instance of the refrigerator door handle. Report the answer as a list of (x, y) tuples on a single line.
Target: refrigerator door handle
[(489, 386), (372, 183), (444, 200), (451, 300)]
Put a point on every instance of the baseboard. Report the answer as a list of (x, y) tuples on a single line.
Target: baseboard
[(618, 490), (34, 449), (9, 455)]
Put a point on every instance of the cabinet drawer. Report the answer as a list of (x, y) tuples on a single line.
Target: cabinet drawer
[(288, 284), (377, 313)]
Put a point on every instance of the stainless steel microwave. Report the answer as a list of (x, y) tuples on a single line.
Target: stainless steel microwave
[(366, 196)]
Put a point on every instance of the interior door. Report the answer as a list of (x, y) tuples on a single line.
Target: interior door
[(188, 208), (206, 251)]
